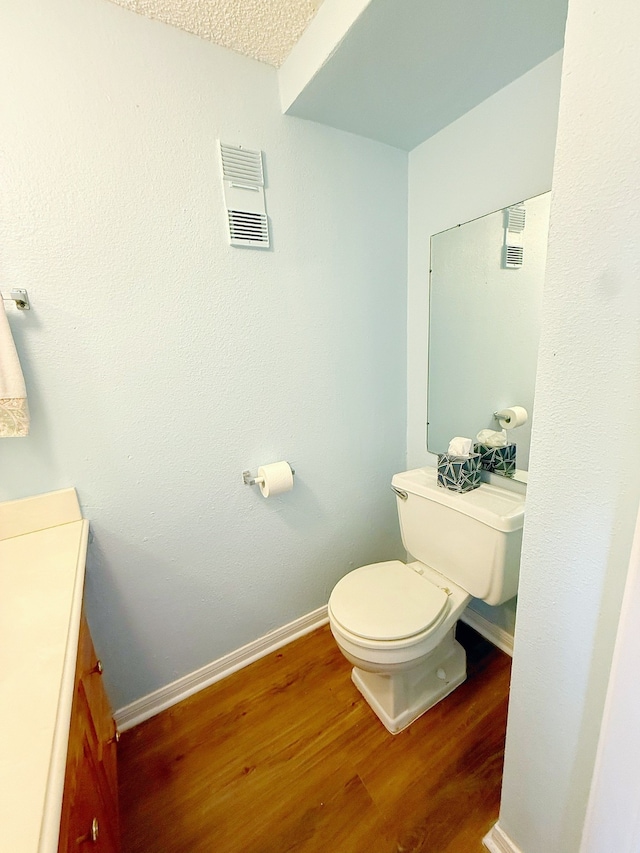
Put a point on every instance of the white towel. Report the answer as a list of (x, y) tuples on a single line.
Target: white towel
[(14, 412)]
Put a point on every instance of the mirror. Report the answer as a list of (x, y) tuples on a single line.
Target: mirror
[(484, 323)]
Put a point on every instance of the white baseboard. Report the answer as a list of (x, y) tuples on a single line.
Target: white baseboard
[(165, 697), (497, 841), (150, 705), (496, 635)]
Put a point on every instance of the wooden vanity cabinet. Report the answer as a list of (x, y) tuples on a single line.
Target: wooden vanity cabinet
[(90, 803)]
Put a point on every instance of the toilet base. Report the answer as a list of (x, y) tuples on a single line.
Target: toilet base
[(401, 697)]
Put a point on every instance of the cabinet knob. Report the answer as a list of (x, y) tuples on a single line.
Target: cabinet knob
[(98, 667), (115, 738), (92, 835)]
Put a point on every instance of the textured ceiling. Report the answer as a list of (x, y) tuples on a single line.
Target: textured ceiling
[(262, 29)]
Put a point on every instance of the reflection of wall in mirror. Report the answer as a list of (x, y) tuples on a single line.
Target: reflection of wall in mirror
[(484, 326)]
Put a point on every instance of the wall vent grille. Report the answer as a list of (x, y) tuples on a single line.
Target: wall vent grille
[(248, 228), (243, 184), (513, 248), (513, 256), (516, 216), (242, 166)]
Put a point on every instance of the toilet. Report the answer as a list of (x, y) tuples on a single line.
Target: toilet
[(395, 622)]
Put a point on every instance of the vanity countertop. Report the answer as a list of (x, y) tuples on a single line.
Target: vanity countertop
[(43, 543)]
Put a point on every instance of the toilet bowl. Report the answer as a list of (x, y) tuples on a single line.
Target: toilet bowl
[(395, 622)]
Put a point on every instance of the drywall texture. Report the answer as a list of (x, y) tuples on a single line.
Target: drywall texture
[(262, 29), (161, 362), (613, 814), (580, 518), (480, 163)]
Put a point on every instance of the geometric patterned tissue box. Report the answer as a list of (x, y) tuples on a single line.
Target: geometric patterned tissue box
[(459, 473), (500, 460)]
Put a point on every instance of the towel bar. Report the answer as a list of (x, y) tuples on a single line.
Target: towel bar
[(20, 297)]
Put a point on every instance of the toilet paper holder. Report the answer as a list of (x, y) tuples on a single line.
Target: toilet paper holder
[(250, 480), (513, 416), (498, 415)]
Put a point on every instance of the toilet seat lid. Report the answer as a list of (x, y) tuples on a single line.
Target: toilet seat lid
[(386, 601)]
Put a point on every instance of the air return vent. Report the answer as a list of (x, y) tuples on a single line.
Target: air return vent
[(516, 216), (513, 256), (513, 246), (243, 182), (248, 228), (242, 166)]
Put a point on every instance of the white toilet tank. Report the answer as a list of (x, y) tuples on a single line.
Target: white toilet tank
[(474, 539)]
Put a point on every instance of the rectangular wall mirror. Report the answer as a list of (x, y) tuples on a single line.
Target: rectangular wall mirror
[(484, 322)]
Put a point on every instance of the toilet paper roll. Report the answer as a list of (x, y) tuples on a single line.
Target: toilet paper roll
[(275, 478), (513, 417)]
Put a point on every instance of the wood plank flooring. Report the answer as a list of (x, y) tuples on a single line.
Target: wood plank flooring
[(286, 757)]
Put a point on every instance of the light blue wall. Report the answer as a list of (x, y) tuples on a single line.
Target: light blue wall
[(161, 363)]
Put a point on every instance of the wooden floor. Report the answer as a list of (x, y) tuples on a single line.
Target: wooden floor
[(286, 756)]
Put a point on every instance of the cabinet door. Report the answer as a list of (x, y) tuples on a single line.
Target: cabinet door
[(90, 804), (75, 752), (89, 671), (89, 821)]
